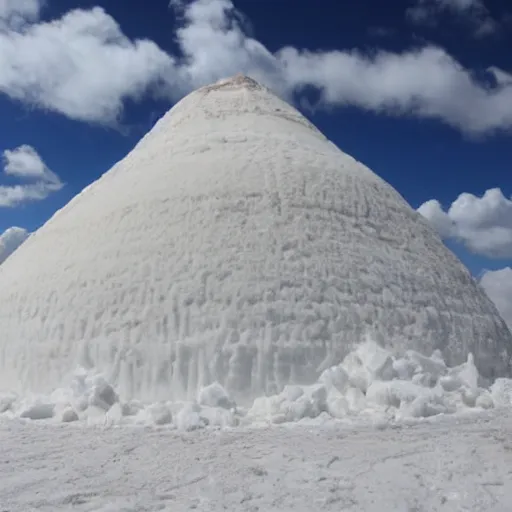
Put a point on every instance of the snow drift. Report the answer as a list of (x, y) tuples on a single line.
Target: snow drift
[(236, 245)]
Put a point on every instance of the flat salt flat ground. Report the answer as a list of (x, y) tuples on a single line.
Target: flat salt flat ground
[(447, 464)]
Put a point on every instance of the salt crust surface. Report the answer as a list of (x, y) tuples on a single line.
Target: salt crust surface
[(447, 465), (235, 244)]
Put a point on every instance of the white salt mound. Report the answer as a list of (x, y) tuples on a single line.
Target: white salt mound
[(236, 245), (381, 397)]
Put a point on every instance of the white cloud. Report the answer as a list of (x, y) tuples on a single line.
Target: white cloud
[(214, 45), (472, 12), (438, 219), (10, 240), (498, 286), (425, 83), (483, 224), (502, 77), (84, 67), (17, 13), (80, 65), (25, 163)]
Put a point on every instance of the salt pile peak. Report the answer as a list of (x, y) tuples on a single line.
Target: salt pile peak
[(235, 244)]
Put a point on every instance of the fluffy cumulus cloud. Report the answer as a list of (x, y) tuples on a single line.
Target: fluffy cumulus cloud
[(483, 224), (10, 240), (38, 182), (83, 66), (214, 45), (498, 286), (471, 12)]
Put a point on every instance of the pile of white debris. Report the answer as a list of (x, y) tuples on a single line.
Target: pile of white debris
[(370, 385)]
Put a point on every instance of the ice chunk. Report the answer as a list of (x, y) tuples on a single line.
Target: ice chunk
[(96, 416), (219, 417), (189, 418), (467, 373), (6, 402), (450, 382), (376, 360), (394, 393), (367, 363), (38, 411), (428, 365), (356, 400), (132, 408), (68, 415), (114, 415), (296, 410), (292, 393), (317, 395), (215, 395), (484, 400), (292, 404), (160, 414), (337, 405), (424, 406), (357, 374), (404, 368), (102, 394), (424, 379), (335, 377), (469, 396), (501, 392)]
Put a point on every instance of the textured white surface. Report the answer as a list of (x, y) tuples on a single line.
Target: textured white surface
[(235, 244), (438, 466)]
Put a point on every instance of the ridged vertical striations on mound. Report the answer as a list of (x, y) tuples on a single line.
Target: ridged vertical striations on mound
[(234, 243)]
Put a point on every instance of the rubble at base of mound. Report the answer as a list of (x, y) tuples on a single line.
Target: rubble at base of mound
[(369, 386)]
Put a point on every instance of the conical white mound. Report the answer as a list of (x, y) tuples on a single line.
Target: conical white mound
[(236, 244)]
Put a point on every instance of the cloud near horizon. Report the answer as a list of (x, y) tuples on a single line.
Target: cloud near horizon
[(10, 240), (482, 224), (24, 163), (498, 286), (83, 66)]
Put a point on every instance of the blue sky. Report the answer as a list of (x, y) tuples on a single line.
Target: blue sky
[(418, 90)]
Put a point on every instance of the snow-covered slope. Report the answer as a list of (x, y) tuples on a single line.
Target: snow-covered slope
[(235, 243), (10, 240)]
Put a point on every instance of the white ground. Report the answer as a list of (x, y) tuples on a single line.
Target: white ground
[(453, 464)]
